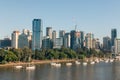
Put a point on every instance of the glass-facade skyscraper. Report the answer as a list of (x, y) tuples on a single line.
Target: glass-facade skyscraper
[(75, 39), (37, 29), (113, 36)]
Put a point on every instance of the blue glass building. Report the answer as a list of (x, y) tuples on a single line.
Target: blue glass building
[(37, 36), (113, 36)]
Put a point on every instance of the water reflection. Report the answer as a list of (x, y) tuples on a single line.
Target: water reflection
[(99, 71), (30, 75)]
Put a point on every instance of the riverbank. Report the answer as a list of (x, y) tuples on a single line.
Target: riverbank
[(35, 62)]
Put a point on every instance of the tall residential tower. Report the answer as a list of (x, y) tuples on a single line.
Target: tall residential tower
[(15, 36), (49, 32)]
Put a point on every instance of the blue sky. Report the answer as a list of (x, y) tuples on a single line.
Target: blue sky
[(97, 16)]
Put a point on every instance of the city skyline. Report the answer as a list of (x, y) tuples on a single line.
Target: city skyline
[(98, 17)]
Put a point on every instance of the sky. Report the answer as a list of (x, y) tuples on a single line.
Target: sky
[(96, 16)]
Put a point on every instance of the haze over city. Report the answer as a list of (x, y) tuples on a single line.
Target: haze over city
[(96, 16)]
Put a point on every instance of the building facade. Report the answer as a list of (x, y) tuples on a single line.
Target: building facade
[(58, 43), (49, 32), (54, 34), (106, 43), (15, 36), (89, 40), (113, 36), (117, 46), (66, 40), (61, 33), (37, 36), (25, 39), (6, 42), (47, 43), (75, 39), (82, 36)]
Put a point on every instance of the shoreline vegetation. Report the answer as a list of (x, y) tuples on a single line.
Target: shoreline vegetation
[(26, 55)]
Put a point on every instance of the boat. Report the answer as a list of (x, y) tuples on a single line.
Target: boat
[(32, 67), (58, 65), (84, 63), (53, 64), (97, 61), (18, 67), (92, 62), (106, 61), (111, 60), (77, 62), (68, 64)]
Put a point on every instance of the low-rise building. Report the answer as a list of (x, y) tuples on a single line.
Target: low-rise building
[(6, 42)]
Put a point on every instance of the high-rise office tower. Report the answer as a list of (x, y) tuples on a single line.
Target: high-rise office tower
[(66, 40), (113, 36), (24, 39), (61, 33), (54, 34), (49, 32), (37, 36), (15, 36), (88, 40), (106, 43), (75, 39), (96, 43), (82, 36)]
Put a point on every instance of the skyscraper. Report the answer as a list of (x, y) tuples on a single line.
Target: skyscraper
[(66, 40), (49, 32), (54, 37), (113, 36), (24, 39), (61, 33), (82, 38), (37, 36), (75, 39), (15, 36), (88, 40), (106, 43)]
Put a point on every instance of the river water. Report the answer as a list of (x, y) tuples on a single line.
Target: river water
[(98, 71)]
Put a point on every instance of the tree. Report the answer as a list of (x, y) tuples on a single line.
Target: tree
[(62, 55), (18, 53), (2, 55), (101, 54), (26, 54), (10, 56)]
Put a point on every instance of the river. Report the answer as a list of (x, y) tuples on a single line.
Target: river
[(97, 71)]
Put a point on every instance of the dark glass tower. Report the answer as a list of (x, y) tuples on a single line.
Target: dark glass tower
[(75, 39), (113, 36), (37, 36)]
